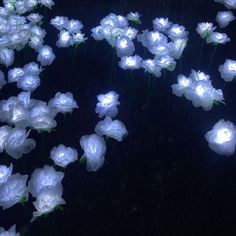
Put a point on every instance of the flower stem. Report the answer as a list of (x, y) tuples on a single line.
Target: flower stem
[(212, 56)]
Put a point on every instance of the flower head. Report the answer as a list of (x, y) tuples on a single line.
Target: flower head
[(228, 70)]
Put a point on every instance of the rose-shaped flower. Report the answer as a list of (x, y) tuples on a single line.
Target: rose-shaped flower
[(151, 67), (94, 148), (5, 173), (114, 129), (47, 200), (73, 26), (205, 29), (222, 138), (166, 62), (177, 47), (107, 104), (59, 22), (63, 102), (64, 39), (134, 17), (124, 47), (45, 177), (130, 63), (6, 56), (161, 24), (228, 70), (62, 155), (28, 82), (15, 74), (177, 31), (218, 38), (46, 56), (224, 18), (183, 84), (13, 191), (10, 232)]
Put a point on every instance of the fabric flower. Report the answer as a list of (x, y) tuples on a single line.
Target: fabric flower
[(224, 18), (130, 63), (5, 173), (228, 70)]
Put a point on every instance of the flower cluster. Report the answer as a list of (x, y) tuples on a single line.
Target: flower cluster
[(45, 185), (70, 31), (198, 89)]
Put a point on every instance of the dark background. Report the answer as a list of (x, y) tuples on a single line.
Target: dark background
[(162, 179)]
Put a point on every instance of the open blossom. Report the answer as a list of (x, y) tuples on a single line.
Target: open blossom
[(161, 24), (94, 148), (181, 87), (34, 18), (222, 138), (151, 67), (6, 56), (218, 38), (18, 144), (177, 31), (73, 26), (46, 56), (59, 22), (46, 201), (134, 17), (166, 62), (107, 104), (63, 102), (124, 47), (13, 190), (5, 173), (205, 29), (47, 3), (114, 129), (177, 47), (224, 18), (228, 70), (62, 155), (130, 62), (45, 177), (9, 232)]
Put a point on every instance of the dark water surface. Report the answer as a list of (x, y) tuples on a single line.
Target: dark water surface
[(162, 179)]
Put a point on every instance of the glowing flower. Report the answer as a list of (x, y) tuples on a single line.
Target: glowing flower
[(4, 133), (64, 39), (114, 129), (46, 56), (124, 47), (32, 68), (177, 31), (17, 143), (45, 177), (28, 82), (183, 84), (59, 22), (2, 79), (73, 26), (107, 104), (10, 232), (134, 17), (5, 173), (205, 29), (199, 76), (166, 62), (63, 102), (47, 200), (130, 32), (218, 38), (97, 33), (6, 56), (177, 47), (222, 138), (47, 3), (78, 38), (228, 70), (15, 74), (94, 150), (13, 190), (63, 156), (224, 18), (161, 24), (34, 18), (151, 67), (130, 63), (160, 50)]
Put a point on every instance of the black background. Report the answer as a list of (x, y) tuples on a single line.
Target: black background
[(162, 179)]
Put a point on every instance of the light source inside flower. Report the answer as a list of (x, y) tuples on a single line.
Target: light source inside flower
[(232, 65), (123, 43), (108, 99), (223, 135), (200, 90), (65, 36), (155, 36), (184, 82)]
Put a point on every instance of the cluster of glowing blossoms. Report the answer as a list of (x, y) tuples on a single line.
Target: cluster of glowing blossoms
[(70, 31), (13, 187), (207, 31), (229, 4), (228, 70), (198, 89), (45, 185), (222, 138), (9, 232)]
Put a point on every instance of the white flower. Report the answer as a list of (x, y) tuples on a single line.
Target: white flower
[(114, 129), (124, 47), (17, 143), (224, 18), (94, 150), (29, 82), (15, 74), (107, 104), (47, 200), (62, 155), (130, 63), (63, 102), (2, 80), (161, 24), (59, 22), (34, 18), (159, 50), (45, 177), (166, 62), (177, 31), (78, 38), (177, 47), (183, 84), (222, 138), (199, 76), (228, 70), (97, 33), (134, 17), (10, 232), (13, 191), (5, 173), (218, 38), (205, 29), (151, 67), (130, 32), (47, 3), (4, 133), (73, 26), (46, 56), (6, 56), (64, 39)]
